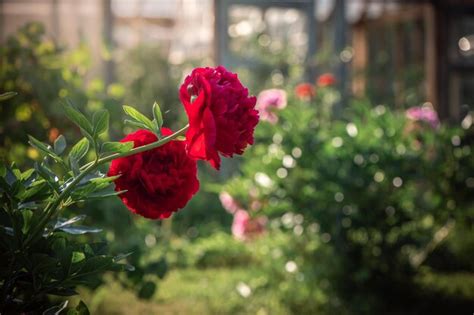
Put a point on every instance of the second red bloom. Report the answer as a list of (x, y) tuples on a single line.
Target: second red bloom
[(158, 182), (222, 115)]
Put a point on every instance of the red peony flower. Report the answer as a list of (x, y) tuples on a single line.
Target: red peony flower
[(159, 181), (222, 115), (304, 91), (326, 79)]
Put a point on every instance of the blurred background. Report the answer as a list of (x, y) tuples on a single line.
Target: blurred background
[(357, 197)]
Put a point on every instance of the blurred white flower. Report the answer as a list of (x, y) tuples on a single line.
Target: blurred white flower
[(291, 266), (263, 180), (351, 129), (243, 289)]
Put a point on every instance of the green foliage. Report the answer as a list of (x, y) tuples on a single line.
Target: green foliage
[(139, 120), (42, 75), (381, 191), (41, 253)]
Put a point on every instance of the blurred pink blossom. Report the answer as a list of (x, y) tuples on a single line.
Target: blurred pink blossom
[(423, 113), (268, 101), (228, 202), (244, 227)]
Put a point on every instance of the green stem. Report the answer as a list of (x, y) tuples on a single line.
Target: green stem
[(146, 147), (90, 167)]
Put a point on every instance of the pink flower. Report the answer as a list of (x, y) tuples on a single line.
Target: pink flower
[(268, 101), (423, 113), (241, 219), (244, 227), (228, 202)]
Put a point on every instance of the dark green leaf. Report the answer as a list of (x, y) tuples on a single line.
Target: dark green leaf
[(27, 205), (78, 118), (79, 150), (10, 177), (8, 230), (59, 145), (35, 189), (63, 222), (96, 264), (7, 95), (139, 117), (100, 120), (121, 256), (117, 147), (43, 147), (77, 230), (44, 263), (3, 169), (59, 244), (27, 215), (47, 175)]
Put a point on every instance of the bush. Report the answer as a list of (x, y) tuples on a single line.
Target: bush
[(383, 190)]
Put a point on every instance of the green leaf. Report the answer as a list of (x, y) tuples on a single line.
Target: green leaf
[(136, 124), (47, 175), (78, 118), (139, 117), (100, 120), (43, 147), (122, 256), (105, 194), (59, 145), (7, 95), (79, 150), (27, 216), (38, 187), (78, 257), (97, 264), (78, 230), (81, 309), (63, 222), (26, 174), (116, 147), (28, 205), (157, 115), (108, 179)]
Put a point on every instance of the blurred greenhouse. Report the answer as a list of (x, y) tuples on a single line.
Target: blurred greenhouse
[(357, 194)]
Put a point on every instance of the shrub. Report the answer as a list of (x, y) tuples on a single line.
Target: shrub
[(383, 190)]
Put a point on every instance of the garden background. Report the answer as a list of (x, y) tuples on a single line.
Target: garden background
[(350, 204)]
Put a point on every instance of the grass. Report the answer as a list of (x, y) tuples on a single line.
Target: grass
[(191, 291)]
